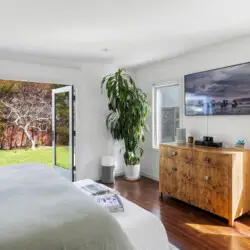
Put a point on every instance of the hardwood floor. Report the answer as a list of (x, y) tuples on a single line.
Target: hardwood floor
[(187, 227)]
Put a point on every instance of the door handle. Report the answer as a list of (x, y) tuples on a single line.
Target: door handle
[(53, 135)]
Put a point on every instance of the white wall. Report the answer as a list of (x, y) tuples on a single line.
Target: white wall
[(223, 128), (92, 137)]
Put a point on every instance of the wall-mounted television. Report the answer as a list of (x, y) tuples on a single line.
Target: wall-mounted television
[(222, 91)]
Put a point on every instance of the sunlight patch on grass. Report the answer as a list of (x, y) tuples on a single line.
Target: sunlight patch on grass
[(40, 155)]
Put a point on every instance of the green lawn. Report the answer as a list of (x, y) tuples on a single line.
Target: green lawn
[(40, 155)]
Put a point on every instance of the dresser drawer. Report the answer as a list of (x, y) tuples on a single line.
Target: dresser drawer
[(212, 159), (170, 177), (188, 183), (213, 178), (205, 158), (183, 155), (213, 183), (212, 201)]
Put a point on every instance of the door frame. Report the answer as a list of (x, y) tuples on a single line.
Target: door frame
[(68, 89)]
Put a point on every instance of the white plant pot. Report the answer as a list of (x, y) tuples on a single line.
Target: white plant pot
[(132, 172)]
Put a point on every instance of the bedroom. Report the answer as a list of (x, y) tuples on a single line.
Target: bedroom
[(78, 44)]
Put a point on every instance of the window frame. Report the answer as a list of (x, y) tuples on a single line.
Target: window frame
[(154, 118)]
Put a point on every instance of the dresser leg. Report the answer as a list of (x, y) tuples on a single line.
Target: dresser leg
[(161, 195), (231, 222)]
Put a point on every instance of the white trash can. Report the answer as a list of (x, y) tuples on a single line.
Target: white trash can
[(108, 167)]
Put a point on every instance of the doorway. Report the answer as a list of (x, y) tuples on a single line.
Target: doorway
[(28, 132)]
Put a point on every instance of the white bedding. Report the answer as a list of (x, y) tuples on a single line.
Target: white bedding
[(144, 230), (40, 210)]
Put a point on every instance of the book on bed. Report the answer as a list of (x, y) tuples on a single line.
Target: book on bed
[(110, 201), (104, 196), (95, 189)]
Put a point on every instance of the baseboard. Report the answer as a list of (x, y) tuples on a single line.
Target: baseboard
[(150, 176), (119, 173)]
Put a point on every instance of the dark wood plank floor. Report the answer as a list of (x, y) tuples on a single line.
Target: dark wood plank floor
[(187, 227)]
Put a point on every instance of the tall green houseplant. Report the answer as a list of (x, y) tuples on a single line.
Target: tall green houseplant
[(128, 107)]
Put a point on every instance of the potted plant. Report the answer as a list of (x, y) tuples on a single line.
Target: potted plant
[(129, 108)]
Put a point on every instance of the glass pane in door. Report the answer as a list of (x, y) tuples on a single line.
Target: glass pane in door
[(62, 143), (166, 113)]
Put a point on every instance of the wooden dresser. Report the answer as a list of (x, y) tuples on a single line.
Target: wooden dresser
[(214, 179)]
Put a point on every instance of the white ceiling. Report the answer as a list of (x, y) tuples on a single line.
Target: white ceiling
[(133, 31)]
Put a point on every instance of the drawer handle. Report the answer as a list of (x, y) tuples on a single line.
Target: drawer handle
[(188, 160), (172, 153), (207, 178), (174, 169), (206, 159)]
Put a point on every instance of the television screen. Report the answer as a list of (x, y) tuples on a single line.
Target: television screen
[(223, 91)]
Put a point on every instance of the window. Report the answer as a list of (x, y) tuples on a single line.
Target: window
[(166, 113)]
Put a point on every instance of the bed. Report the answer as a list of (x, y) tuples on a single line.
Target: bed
[(144, 229), (43, 211)]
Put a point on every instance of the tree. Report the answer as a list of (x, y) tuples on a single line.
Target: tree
[(27, 108)]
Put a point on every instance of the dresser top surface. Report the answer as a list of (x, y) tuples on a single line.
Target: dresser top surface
[(203, 148)]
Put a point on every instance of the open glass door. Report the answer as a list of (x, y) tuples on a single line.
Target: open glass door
[(63, 135)]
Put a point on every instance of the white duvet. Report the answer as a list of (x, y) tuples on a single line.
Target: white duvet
[(144, 230), (40, 210)]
